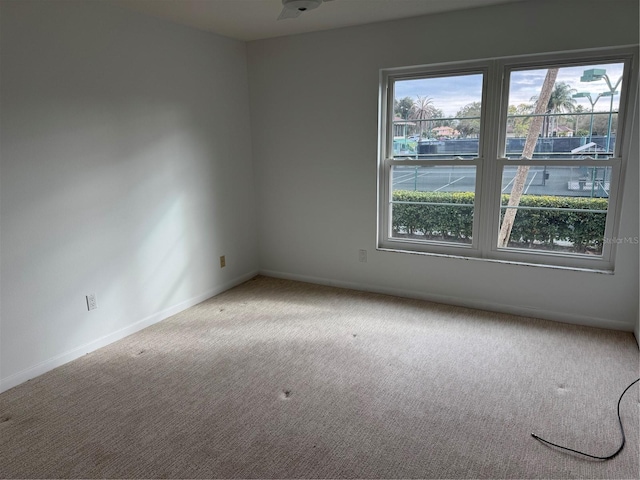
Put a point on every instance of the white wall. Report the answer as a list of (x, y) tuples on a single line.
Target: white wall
[(314, 104), (125, 171)]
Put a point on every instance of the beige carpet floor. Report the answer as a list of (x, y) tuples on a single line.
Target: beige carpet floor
[(282, 379)]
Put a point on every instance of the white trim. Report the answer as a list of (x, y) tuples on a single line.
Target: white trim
[(522, 311), (47, 365), (502, 260)]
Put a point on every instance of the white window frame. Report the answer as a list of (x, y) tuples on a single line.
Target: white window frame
[(489, 163)]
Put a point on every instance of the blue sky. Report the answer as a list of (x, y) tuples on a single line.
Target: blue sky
[(450, 94)]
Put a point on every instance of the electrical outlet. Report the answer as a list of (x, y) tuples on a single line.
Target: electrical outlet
[(92, 302), (223, 262), (362, 256)]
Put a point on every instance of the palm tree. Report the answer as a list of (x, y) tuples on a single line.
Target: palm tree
[(560, 101), (423, 109)]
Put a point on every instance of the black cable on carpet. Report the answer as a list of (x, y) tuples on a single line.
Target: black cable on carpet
[(609, 457)]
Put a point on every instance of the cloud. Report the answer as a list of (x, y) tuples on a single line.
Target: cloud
[(451, 93)]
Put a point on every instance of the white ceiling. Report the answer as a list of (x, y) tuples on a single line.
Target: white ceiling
[(256, 19)]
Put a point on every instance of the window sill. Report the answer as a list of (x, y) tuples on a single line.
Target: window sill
[(502, 261)]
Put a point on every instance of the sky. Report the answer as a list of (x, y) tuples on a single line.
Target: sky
[(450, 94)]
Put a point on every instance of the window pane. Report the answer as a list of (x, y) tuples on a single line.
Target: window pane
[(579, 119), (433, 203), (562, 209), (437, 117)]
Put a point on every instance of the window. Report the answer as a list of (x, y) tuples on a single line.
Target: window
[(518, 159)]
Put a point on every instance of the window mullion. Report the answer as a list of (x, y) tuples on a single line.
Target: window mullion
[(488, 183)]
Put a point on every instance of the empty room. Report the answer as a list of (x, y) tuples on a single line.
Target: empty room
[(319, 239)]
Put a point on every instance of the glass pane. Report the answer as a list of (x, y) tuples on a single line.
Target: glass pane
[(580, 116), (561, 209), (437, 117), (433, 203)]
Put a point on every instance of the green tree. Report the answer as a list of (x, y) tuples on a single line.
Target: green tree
[(468, 123), (519, 125), (579, 122), (601, 123), (403, 107), (437, 113)]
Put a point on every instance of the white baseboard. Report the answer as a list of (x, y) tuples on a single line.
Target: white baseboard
[(461, 302), (43, 367)]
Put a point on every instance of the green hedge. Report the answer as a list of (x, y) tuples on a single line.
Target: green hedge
[(434, 221), (531, 227)]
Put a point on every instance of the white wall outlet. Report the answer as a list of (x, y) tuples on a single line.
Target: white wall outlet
[(92, 301), (362, 256)]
